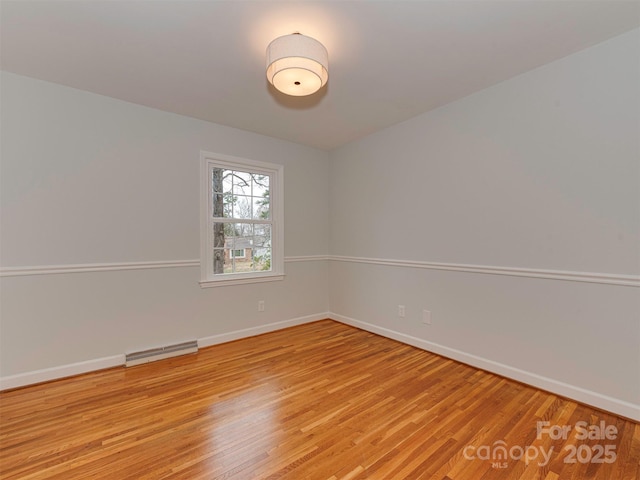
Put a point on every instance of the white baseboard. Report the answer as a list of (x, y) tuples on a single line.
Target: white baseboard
[(614, 405), (604, 402), (253, 331), (54, 373), (62, 371)]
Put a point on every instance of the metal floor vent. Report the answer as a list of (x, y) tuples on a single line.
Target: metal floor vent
[(146, 356)]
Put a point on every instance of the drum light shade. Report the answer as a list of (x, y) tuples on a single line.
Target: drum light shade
[(297, 65)]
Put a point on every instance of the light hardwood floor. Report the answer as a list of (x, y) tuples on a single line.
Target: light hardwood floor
[(318, 401)]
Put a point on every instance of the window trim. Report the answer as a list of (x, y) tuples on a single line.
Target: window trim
[(209, 160)]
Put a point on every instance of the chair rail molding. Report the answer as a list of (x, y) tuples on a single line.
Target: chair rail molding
[(115, 266), (566, 275), (588, 277)]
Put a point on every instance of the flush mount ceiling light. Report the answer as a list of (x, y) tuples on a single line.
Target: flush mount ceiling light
[(297, 65)]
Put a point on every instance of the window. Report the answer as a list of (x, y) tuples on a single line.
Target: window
[(241, 221)]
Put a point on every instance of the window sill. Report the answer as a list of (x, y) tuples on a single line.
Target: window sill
[(241, 281)]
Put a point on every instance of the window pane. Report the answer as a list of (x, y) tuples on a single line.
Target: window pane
[(262, 259), (222, 205), (241, 183), (262, 236), (243, 245), (220, 263), (219, 235), (244, 231), (260, 184), (229, 261), (228, 230), (217, 205), (227, 181), (242, 207), (261, 196), (261, 208), (227, 208), (217, 175)]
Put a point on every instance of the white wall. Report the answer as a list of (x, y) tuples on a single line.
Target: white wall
[(87, 179), (540, 172)]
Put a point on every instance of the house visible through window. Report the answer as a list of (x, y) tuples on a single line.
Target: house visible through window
[(241, 221)]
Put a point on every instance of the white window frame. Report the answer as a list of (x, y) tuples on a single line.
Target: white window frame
[(210, 160)]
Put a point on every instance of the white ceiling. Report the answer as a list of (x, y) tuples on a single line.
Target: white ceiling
[(388, 60)]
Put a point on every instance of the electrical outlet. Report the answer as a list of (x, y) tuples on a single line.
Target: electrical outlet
[(401, 312), (261, 306), (426, 317)]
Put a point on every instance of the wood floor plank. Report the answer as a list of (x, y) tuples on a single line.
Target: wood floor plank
[(318, 401)]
